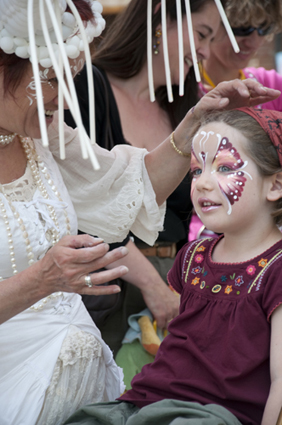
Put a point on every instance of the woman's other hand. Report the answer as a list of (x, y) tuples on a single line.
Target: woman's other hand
[(65, 266)]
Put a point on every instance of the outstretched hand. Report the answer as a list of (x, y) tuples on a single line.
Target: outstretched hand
[(235, 94)]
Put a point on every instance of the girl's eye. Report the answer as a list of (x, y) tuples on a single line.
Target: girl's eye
[(196, 172), (224, 169)]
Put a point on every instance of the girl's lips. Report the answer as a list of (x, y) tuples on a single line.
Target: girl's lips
[(207, 205)]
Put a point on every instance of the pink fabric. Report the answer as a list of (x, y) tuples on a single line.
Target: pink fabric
[(269, 78), (217, 349)]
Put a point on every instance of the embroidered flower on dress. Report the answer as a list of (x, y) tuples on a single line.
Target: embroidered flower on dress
[(199, 258), (228, 289), (262, 262), (203, 284), (239, 281), (196, 270), (223, 278), (195, 281), (251, 270), (201, 249)]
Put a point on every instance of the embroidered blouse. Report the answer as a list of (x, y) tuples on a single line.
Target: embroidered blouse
[(217, 350)]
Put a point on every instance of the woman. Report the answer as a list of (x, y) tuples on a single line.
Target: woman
[(52, 356), (253, 23), (121, 66)]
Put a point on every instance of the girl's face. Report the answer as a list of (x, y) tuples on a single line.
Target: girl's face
[(223, 52), (205, 25), (227, 191), (19, 111)]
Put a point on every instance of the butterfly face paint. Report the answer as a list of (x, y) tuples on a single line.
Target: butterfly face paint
[(218, 163)]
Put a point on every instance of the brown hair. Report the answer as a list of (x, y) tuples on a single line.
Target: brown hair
[(244, 13), (14, 68), (122, 52), (259, 147)]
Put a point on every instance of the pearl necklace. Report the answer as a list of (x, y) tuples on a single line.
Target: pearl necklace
[(5, 139), (35, 163)]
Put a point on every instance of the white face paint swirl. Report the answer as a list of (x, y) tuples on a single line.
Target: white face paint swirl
[(31, 89)]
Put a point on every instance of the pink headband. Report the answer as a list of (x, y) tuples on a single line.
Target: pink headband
[(271, 122)]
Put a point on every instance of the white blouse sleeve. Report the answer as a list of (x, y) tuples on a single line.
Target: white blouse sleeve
[(113, 200)]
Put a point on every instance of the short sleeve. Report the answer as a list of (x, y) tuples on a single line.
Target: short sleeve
[(272, 295), (175, 275)]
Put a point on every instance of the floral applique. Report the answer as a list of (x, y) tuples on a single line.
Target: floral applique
[(199, 258), (262, 262), (232, 276), (239, 281), (196, 270), (204, 272), (251, 270), (195, 281), (216, 289), (228, 289), (223, 278), (203, 284), (201, 249)]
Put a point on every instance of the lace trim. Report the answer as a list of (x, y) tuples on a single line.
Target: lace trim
[(79, 378), (22, 189)]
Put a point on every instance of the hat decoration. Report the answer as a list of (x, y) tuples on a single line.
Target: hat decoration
[(50, 33), (14, 34)]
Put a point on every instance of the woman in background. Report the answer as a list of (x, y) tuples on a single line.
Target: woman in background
[(121, 77)]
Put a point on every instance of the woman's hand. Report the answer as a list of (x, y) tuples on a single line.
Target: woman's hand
[(65, 266), (162, 302), (235, 94)]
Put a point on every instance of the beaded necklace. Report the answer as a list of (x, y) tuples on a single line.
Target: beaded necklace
[(36, 165)]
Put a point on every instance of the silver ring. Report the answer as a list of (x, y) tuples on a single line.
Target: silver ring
[(87, 281)]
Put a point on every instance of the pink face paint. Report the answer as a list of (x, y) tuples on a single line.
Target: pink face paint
[(214, 154), (232, 184)]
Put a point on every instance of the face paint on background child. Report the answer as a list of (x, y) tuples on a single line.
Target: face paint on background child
[(225, 165)]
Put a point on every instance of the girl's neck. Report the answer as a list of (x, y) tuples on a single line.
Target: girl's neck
[(218, 73), (234, 249)]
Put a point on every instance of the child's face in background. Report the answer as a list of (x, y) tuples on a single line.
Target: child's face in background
[(227, 190)]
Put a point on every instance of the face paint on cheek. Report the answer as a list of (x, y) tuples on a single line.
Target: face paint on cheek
[(76, 66), (231, 184), (31, 89)]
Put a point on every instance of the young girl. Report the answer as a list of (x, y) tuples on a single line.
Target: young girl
[(222, 358)]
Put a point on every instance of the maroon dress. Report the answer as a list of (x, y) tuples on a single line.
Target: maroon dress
[(217, 350)]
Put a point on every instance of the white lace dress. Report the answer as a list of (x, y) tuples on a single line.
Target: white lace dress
[(52, 357)]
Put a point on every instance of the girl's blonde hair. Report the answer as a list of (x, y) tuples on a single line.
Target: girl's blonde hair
[(259, 147), (255, 13)]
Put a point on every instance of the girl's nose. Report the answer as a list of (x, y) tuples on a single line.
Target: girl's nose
[(204, 182)]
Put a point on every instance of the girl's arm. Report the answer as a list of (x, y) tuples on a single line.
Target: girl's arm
[(274, 402)]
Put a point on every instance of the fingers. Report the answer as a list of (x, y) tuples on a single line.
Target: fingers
[(100, 278)]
